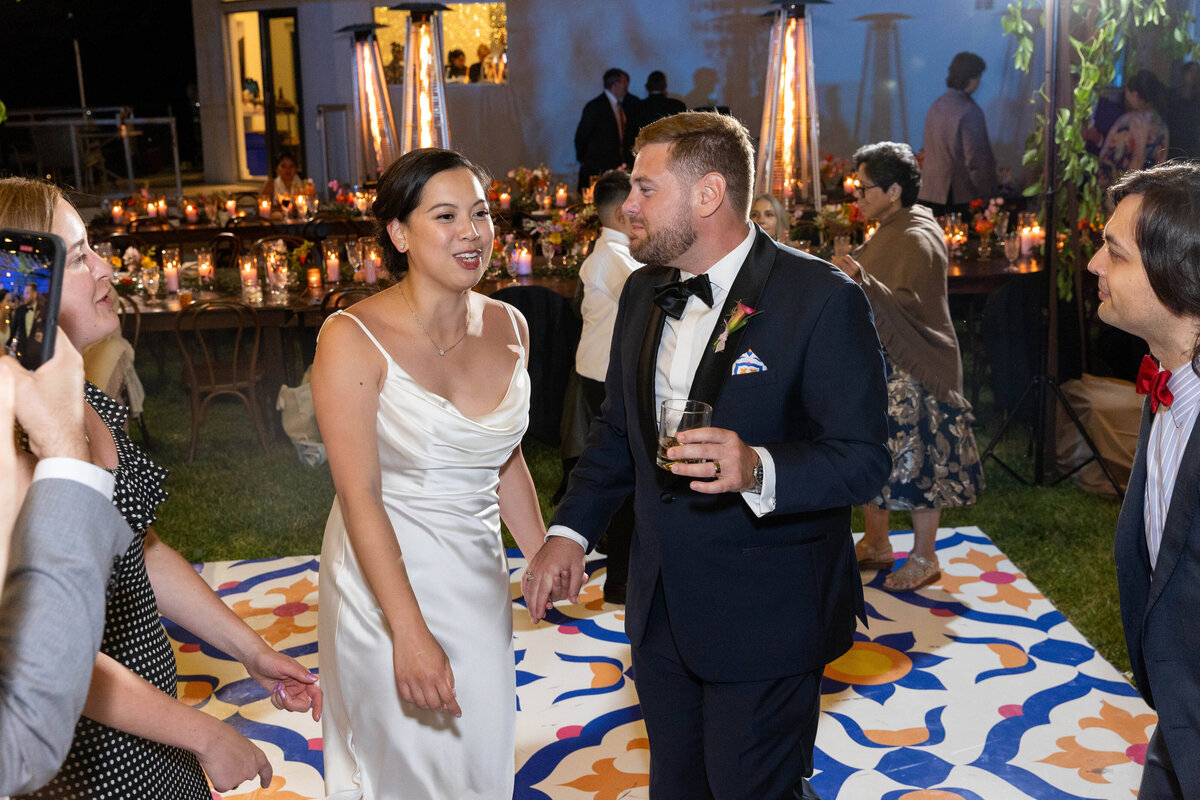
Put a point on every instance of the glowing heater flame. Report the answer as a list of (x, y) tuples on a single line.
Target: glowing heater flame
[(424, 90), (424, 123), (787, 159), (372, 108)]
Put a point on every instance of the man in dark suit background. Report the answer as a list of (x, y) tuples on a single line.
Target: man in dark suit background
[(25, 329), (657, 103), (742, 581), (606, 128), (1149, 285)]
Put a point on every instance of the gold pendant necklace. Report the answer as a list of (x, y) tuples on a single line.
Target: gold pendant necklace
[(441, 350)]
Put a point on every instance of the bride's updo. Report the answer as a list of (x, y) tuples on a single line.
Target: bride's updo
[(399, 194)]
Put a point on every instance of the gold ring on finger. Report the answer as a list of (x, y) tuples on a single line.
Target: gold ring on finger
[(716, 468), (528, 575)]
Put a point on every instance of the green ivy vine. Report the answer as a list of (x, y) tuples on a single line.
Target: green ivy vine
[(1098, 30)]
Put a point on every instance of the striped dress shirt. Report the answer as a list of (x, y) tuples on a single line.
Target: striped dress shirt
[(1169, 434)]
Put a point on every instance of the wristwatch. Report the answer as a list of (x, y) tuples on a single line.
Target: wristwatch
[(758, 478)]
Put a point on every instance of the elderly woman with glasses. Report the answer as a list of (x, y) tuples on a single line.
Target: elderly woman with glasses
[(902, 269)]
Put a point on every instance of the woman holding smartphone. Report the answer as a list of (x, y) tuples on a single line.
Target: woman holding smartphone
[(135, 739)]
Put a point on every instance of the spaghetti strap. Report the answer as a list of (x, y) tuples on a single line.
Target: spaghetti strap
[(516, 328), (370, 335)]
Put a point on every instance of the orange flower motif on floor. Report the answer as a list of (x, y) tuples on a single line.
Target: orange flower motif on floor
[(607, 782), (1090, 764), (273, 792), (281, 621), (592, 597), (990, 572)]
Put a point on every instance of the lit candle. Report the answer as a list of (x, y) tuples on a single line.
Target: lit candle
[(560, 196), (190, 213), (546, 203), (589, 192), (505, 201), (333, 267), (171, 274), (1026, 241), (118, 214), (360, 202), (162, 207), (314, 279), (151, 209), (849, 184), (264, 207), (301, 203), (204, 265), (371, 265), (231, 206), (249, 270), (524, 260)]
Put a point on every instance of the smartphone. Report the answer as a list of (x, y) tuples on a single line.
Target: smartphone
[(31, 268)]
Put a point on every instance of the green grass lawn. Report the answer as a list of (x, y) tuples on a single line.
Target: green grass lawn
[(235, 502)]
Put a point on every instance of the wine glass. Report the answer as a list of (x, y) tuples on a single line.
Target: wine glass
[(285, 205), (150, 281), (509, 257), (548, 252), (1012, 248)]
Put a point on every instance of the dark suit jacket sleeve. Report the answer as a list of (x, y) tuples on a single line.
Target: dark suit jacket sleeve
[(583, 131), (843, 461), (51, 620), (604, 473)]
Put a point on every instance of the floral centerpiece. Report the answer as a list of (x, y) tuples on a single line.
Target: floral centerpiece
[(984, 222), (128, 266), (523, 184), (567, 235), (835, 219), (344, 202), (833, 171)]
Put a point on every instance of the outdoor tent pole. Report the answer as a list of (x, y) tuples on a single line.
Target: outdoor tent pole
[(1043, 409)]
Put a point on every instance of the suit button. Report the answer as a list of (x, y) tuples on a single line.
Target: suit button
[(667, 497)]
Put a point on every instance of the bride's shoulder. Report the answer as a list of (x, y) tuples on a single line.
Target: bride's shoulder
[(502, 317)]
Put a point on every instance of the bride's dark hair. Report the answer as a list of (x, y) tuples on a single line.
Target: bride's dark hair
[(399, 194)]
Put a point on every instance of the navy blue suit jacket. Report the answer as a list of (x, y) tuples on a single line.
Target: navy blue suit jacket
[(1159, 608), (749, 598)]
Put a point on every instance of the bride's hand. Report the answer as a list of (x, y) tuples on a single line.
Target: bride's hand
[(423, 674)]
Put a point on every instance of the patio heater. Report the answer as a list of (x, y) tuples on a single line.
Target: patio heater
[(372, 106), (788, 165), (423, 121)]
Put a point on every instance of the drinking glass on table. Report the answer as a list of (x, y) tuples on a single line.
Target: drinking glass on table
[(675, 416), (150, 280), (509, 258), (1012, 248), (285, 205)]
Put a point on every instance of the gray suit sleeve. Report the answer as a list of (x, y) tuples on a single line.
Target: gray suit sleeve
[(51, 621)]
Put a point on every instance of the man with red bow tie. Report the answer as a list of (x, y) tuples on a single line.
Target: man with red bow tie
[(1149, 285)]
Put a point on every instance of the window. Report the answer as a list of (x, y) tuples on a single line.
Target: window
[(475, 33)]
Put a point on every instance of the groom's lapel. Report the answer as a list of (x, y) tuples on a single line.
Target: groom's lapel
[(747, 287), (647, 412)]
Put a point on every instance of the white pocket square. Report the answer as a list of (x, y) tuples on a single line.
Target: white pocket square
[(747, 362)]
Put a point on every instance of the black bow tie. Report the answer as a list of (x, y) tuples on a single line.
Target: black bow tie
[(672, 297)]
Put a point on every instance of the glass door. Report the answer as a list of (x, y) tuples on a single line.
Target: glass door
[(265, 79)]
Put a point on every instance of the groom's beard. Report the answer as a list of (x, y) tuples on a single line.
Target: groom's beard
[(667, 244)]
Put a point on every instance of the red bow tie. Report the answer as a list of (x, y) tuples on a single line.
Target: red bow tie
[(1153, 381)]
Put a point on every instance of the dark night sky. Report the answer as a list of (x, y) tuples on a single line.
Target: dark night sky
[(139, 53)]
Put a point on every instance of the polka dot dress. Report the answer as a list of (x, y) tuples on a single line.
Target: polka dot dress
[(104, 762)]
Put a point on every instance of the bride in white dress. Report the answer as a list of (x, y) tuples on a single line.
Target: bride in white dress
[(422, 396)]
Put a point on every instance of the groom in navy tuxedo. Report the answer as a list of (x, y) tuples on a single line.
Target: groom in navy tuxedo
[(742, 581), (1149, 285)]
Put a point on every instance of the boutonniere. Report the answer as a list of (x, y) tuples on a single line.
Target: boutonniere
[(734, 320)]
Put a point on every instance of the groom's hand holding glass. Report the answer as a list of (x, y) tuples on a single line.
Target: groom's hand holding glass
[(718, 456)]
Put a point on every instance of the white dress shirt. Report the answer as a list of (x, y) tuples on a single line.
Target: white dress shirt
[(603, 276), (1169, 434), (679, 352), (73, 469)]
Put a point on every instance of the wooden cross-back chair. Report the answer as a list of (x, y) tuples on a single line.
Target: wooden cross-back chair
[(219, 340)]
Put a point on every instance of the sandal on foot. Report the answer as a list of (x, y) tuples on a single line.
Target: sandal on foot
[(915, 573), (870, 558)]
